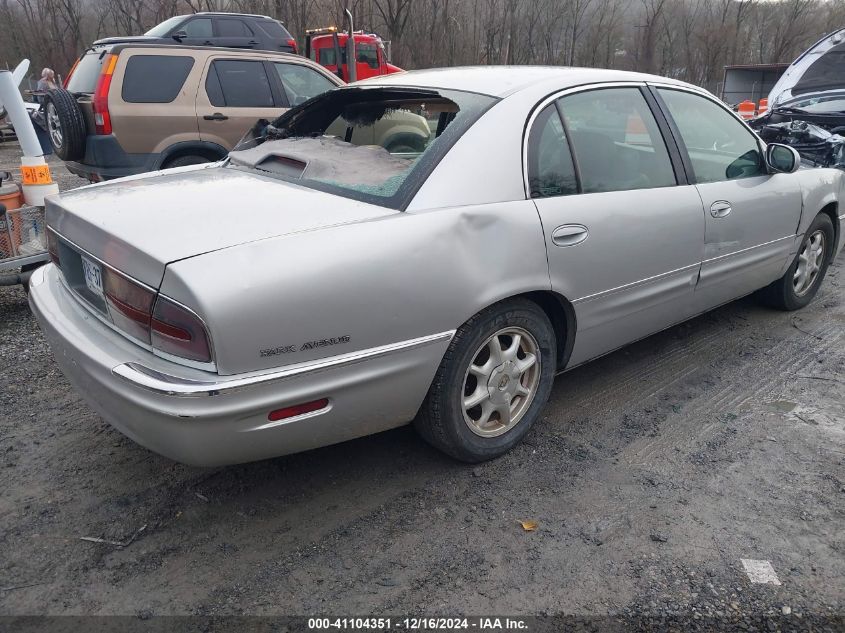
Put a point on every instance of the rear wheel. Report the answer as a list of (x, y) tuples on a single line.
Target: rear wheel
[(802, 279), (65, 124), (492, 384)]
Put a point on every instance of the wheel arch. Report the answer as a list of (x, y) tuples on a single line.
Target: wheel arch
[(212, 151), (831, 209), (560, 312)]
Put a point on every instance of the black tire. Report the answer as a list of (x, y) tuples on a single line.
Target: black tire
[(441, 419), (189, 159), (782, 294), (65, 124)]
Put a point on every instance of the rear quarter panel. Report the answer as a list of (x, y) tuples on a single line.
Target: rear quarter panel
[(376, 282), (150, 128), (820, 187)]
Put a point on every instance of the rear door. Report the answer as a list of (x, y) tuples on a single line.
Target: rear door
[(233, 94), (751, 216), (624, 231)]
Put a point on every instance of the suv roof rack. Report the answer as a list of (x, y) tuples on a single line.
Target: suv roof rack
[(243, 15)]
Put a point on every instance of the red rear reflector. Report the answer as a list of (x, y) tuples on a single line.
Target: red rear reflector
[(297, 409)]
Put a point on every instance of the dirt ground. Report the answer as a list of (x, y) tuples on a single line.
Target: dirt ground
[(653, 473)]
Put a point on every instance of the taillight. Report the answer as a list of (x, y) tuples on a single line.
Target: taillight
[(292, 44), (100, 102), (180, 332), (155, 320), (130, 305), (53, 248)]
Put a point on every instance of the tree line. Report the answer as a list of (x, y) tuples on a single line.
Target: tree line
[(690, 40)]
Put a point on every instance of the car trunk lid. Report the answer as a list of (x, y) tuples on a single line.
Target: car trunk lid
[(140, 225)]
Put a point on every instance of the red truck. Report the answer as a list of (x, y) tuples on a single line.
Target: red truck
[(325, 46)]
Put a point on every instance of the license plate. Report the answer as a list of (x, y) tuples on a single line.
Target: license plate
[(93, 276)]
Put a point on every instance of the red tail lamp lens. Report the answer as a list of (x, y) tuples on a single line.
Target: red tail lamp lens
[(292, 44), (178, 331), (298, 409), (129, 304), (100, 102)]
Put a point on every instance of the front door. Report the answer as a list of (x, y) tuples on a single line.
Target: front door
[(233, 95), (624, 239), (751, 216)]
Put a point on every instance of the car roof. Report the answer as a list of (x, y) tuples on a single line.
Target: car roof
[(124, 45), (501, 81)]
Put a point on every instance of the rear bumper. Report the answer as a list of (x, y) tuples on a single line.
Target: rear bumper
[(105, 159), (204, 419)]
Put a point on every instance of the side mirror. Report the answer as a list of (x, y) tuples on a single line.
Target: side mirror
[(179, 36), (782, 158)]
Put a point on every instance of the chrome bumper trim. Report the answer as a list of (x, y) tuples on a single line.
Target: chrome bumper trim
[(165, 384)]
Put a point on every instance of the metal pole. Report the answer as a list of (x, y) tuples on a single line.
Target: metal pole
[(351, 62)]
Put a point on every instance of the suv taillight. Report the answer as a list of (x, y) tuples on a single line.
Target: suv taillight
[(292, 44), (100, 102)]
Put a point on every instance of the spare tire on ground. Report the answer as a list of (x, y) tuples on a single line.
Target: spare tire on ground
[(65, 124)]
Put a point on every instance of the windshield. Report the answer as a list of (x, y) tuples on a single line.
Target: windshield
[(819, 105), (372, 144), (165, 27)]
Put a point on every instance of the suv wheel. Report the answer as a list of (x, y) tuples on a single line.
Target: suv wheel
[(65, 124)]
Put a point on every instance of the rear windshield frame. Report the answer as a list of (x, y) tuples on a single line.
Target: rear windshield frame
[(418, 175)]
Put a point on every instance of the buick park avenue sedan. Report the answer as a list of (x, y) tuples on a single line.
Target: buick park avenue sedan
[(314, 287)]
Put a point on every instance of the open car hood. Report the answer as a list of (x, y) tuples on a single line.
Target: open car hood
[(818, 70)]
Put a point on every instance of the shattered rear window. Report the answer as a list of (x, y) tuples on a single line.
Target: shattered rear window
[(372, 144)]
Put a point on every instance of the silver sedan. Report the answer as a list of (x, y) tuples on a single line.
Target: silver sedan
[(315, 286)]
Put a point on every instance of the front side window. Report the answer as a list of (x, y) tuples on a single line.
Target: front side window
[(301, 83), (720, 147), (238, 84), (550, 168), (377, 144), (616, 141), (199, 27), (155, 78)]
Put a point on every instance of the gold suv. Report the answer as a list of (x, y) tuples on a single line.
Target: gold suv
[(129, 108)]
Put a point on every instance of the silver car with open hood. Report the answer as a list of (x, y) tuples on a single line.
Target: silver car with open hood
[(317, 286)]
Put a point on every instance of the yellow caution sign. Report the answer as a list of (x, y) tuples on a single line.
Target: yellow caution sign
[(36, 175)]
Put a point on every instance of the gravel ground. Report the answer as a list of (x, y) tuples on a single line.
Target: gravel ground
[(653, 473)]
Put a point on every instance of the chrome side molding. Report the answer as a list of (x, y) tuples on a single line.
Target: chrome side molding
[(165, 384)]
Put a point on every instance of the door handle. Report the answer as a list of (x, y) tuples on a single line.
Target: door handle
[(217, 116), (253, 43), (720, 208), (570, 234)]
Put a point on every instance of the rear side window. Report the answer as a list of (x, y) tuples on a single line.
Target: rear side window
[(232, 28), (274, 29), (155, 78), (84, 76), (301, 83), (616, 141), (239, 84), (550, 168)]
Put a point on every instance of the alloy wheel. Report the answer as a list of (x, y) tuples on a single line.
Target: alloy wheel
[(810, 261), (54, 125), (501, 382)]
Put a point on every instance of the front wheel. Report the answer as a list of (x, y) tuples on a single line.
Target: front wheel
[(801, 282), (492, 384)]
